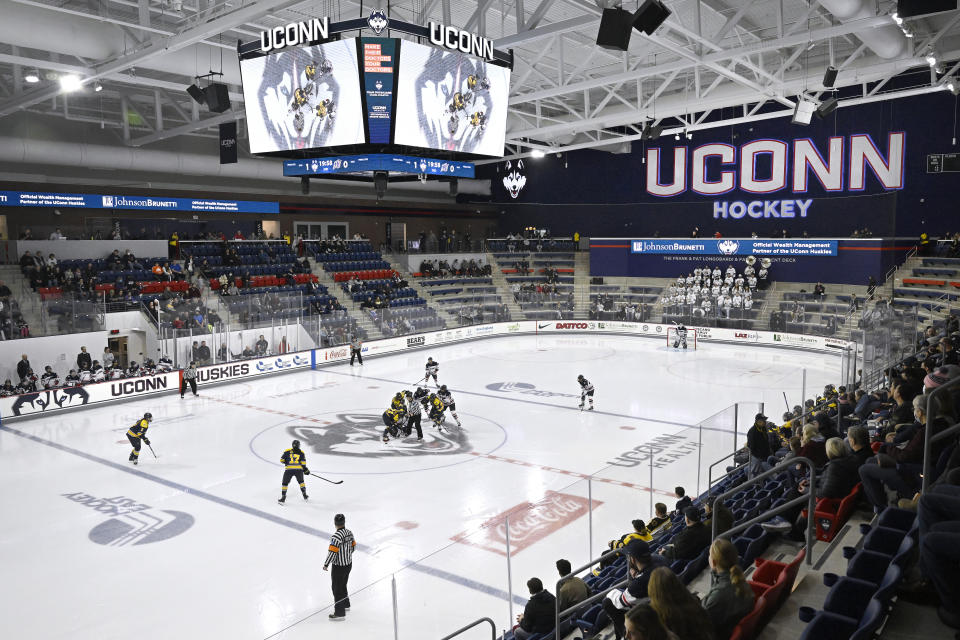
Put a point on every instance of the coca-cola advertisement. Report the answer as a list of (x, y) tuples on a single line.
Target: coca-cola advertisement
[(529, 523)]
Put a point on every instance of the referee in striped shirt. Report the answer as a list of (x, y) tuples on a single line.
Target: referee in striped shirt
[(340, 556)]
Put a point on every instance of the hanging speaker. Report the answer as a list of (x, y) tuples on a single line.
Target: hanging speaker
[(650, 16), (651, 132), (830, 77), (380, 183), (911, 8), (218, 97), (197, 94), (827, 107), (615, 29)]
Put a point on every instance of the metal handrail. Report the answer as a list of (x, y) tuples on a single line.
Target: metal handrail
[(493, 629), (810, 498), (725, 475), (929, 437), (595, 597)]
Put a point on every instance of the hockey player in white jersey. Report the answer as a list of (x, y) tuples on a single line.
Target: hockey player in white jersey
[(432, 368), (681, 337), (586, 391), (447, 397)]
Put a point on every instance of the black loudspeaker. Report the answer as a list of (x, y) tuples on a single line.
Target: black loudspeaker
[(651, 132), (911, 8), (218, 97), (305, 185), (650, 16), (380, 183), (827, 107), (615, 29), (454, 187), (197, 94), (830, 77)]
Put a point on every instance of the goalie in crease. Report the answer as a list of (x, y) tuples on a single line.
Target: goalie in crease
[(680, 336)]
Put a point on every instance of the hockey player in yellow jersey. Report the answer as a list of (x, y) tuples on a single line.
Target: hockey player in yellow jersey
[(393, 420), (137, 434), (294, 466)]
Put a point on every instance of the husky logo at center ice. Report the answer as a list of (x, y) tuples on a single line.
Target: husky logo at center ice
[(728, 247), (378, 21), (514, 181), (359, 435)]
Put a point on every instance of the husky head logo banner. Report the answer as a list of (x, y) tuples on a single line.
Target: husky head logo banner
[(378, 21), (514, 181)]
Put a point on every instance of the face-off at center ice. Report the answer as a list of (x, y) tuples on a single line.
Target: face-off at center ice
[(193, 543)]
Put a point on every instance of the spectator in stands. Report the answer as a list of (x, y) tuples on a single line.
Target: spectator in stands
[(881, 471), (758, 443), (83, 360), (5, 292), (819, 291), (107, 358), (261, 346), (573, 590), (683, 502), (659, 520), (691, 540), (859, 440), (222, 352), (841, 473), (730, 597), (640, 565), (643, 623), (203, 352), (813, 445), (157, 271), (23, 367), (539, 613), (679, 610), (718, 510), (26, 235), (948, 355), (57, 235), (195, 351)]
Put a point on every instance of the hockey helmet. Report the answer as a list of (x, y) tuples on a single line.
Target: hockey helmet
[(443, 387), (148, 416), (580, 377), (296, 444)]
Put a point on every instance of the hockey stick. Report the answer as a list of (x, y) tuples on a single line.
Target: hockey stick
[(785, 401), (152, 451), (418, 381), (324, 479)]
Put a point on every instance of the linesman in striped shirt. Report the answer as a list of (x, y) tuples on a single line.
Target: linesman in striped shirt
[(340, 555)]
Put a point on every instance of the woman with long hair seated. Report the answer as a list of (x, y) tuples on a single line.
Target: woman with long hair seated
[(730, 597), (679, 610)]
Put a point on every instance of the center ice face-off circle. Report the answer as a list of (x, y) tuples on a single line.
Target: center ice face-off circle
[(350, 442)]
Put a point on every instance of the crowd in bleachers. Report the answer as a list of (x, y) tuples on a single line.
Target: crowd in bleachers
[(606, 307), (87, 370), (863, 442), (457, 268), (710, 293), (12, 323)]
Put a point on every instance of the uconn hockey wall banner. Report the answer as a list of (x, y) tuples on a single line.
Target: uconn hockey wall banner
[(51, 400)]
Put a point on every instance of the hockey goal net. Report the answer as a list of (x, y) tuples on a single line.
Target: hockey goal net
[(691, 337)]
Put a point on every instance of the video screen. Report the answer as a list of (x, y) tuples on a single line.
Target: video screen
[(450, 101), (303, 98)]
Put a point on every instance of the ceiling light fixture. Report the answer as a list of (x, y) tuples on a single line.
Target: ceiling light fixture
[(536, 153), (98, 87), (32, 76), (69, 83)]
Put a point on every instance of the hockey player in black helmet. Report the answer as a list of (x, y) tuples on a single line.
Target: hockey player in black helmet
[(294, 466), (447, 397), (432, 368), (397, 402), (586, 391), (137, 434)]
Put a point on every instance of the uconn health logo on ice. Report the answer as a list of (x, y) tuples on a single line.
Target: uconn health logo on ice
[(131, 522)]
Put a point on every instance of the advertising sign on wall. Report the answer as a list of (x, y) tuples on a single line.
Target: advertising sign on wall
[(50, 400)]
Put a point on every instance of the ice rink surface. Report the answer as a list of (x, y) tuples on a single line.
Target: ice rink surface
[(192, 544)]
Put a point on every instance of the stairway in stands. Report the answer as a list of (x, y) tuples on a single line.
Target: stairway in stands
[(353, 308)]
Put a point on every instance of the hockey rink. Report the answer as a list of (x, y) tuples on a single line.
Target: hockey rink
[(193, 543)]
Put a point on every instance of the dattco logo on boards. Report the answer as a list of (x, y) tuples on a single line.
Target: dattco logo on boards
[(417, 341), (572, 325)]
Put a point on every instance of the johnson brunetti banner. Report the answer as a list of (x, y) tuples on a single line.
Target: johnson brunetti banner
[(733, 247)]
